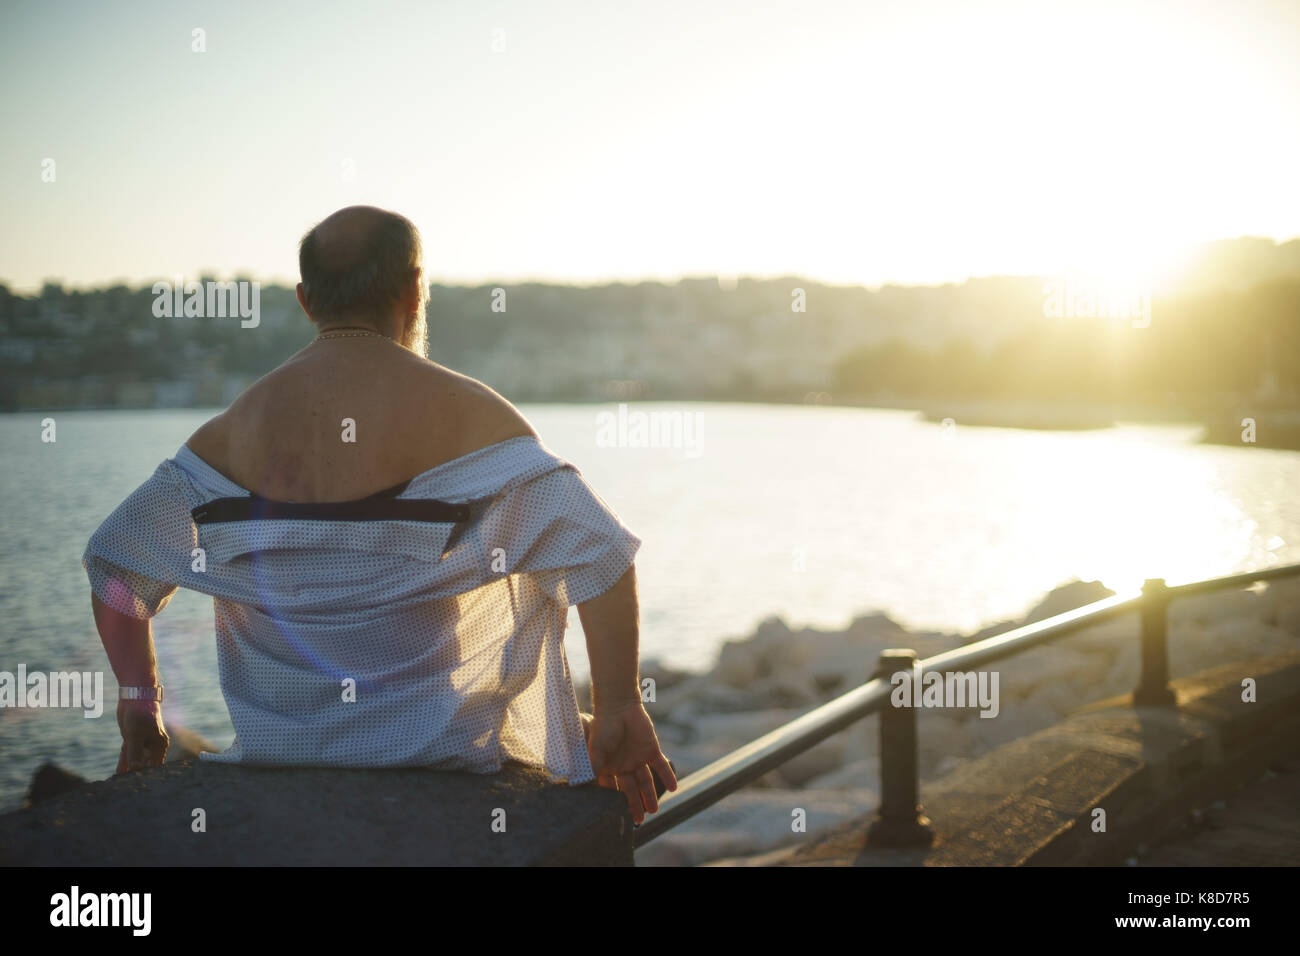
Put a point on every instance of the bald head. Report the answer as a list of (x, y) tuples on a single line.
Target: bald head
[(358, 264)]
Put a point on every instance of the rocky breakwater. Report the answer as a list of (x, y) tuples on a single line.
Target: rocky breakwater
[(778, 673)]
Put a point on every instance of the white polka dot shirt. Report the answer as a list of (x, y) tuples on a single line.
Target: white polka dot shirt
[(384, 643)]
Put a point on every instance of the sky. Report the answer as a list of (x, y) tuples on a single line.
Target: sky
[(920, 141)]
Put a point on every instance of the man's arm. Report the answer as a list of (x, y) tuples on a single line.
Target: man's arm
[(622, 743), (610, 623), (621, 739), (129, 645)]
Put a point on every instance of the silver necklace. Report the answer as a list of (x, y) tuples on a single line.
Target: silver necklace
[(349, 335)]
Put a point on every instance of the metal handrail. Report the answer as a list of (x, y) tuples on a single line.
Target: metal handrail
[(707, 786), (1245, 579), (724, 776)]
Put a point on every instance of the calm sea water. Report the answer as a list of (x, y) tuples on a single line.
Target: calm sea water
[(815, 514)]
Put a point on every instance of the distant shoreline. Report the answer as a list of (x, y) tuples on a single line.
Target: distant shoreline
[(1277, 429)]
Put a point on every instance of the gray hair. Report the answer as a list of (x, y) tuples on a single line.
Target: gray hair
[(363, 272)]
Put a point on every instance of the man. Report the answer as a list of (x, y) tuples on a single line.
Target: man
[(366, 617)]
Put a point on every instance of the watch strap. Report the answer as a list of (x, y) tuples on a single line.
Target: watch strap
[(141, 693)]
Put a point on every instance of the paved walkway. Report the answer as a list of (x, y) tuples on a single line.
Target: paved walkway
[(1257, 826)]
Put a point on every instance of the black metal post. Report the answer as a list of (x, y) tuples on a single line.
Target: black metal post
[(1153, 688), (899, 821)]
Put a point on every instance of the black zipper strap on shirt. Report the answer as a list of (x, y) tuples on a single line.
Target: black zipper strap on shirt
[(375, 508)]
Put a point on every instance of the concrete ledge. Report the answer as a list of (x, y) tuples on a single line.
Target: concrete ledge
[(321, 817), (1030, 802)]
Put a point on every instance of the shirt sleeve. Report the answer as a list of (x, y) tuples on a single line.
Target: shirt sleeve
[(138, 557), (562, 533)]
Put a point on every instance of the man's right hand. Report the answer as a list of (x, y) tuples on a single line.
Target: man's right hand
[(144, 739), (623, 750)]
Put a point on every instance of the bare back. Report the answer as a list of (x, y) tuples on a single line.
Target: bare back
[(284, 438)]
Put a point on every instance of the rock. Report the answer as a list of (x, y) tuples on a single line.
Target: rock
[(726, 732), (1200, 610), (704, 696), (664, 676), (877, 630), (852, 776), (672, 733), (944, 734), (837, 663), (1104, 639), (307, 816), (1067, 597), (1061, 697), (708, 737), (678, 701), (737, 664), (1023, 675), (849, 746), (50, 780), (822, 759), (690, 758), (752, 821), (1197, 646), (787, 689)]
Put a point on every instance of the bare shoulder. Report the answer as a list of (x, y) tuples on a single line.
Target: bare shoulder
[(483, 415), (211, 441)]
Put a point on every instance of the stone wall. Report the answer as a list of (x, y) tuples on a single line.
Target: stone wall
[(320, 817)]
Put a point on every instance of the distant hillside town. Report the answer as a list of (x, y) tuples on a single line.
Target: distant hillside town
[(1228, 334)]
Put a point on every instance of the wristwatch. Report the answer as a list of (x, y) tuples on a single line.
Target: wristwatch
[(141, 693)]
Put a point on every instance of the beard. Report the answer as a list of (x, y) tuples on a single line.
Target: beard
[(415, 336)]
